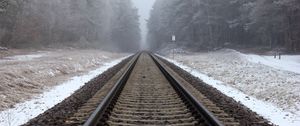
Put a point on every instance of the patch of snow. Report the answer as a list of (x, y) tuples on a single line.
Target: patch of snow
[(105, 57), (3, 48), (23, 112), (287, 62), (51, 74), (2, 96), (26, 57), (267, 110), (172, 48)]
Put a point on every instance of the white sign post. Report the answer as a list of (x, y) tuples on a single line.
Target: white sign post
[(173, 40)]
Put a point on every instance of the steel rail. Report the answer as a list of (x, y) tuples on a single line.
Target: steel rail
[(113, 94), (197, 105), (100, 111)]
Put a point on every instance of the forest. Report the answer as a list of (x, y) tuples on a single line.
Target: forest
[(114, 24), (212, 24), (103, 24)]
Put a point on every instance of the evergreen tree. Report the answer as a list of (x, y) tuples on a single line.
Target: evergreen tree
[(208, 24), (80, 23)]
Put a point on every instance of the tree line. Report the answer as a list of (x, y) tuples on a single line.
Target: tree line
[(107, 24), (208, 24)]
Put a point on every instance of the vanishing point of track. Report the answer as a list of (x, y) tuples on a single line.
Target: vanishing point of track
[(149, 93)]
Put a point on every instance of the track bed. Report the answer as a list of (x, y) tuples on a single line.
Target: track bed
[(149, 99), (146, 91)]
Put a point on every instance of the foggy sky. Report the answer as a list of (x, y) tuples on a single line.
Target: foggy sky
[(144, 7)]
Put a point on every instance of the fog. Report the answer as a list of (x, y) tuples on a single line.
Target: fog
[(122, 25), (118, 25), (102, 24), (144, 8)]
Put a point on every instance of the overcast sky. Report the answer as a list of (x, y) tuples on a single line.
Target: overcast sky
[(144, 7)]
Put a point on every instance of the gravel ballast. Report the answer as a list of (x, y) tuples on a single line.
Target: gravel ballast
[(240, 112), (59, 113)]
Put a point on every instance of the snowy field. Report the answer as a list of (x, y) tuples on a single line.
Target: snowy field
[(266, 85), (23, 112), (286, 63), (29, 74)]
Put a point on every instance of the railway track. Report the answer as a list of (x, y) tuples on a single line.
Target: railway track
[(148, 92)]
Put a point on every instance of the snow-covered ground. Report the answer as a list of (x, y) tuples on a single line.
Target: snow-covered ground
[(23, 112), (267, 86), (287, 62), (28, 74), (25, 57)]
